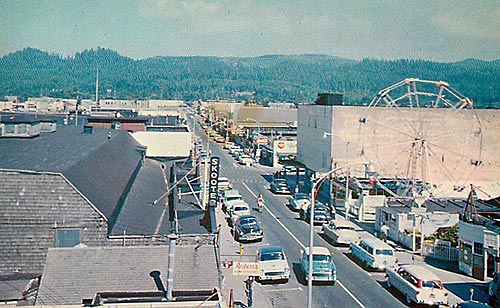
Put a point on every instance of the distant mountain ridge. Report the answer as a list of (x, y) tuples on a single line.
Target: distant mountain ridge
[(296, 78)]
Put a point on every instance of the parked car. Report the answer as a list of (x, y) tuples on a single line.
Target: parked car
[(238, 209), (246, 160), (203, 156), (228, 144), (224, 183), (220, 139), (323, 267), (289, 169), (342, 231), (273, 264), (279, 186), (247, 228), (229, 198), (418, 284), (322, 214), (233, 149), (299, 201), (374, 253)]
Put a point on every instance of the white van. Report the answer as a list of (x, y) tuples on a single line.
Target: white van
[(418, 284), (374, 253)]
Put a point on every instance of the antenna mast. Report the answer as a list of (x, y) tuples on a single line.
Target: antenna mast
[(97, 86)]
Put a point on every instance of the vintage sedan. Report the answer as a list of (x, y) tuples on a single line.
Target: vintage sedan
[(323, 268), (299, 201), (247, 228), (236, 210), (280, 186), (273, 265), (342, 232), (322, 214)]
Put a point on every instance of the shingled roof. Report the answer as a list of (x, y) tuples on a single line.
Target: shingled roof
[(101, 168), (73, 274)]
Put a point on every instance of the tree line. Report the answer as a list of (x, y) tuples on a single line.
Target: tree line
[(288, 78)]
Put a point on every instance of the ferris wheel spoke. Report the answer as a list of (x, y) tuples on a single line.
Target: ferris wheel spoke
[(381, 124), (391, 145), (440, 164), (456, 133), (447, 149)]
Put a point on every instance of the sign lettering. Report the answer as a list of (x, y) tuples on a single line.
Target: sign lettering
[(213, 187), (246, 269)]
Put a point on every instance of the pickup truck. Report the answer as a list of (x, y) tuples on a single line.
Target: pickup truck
[(342, 232)]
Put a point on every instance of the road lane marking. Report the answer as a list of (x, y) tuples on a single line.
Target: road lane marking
[(303, 246), (276, 218), (352, 295)]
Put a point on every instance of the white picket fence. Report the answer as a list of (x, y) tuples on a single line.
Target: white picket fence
[(440, 252)]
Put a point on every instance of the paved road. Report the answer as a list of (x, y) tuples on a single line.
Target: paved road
[(355, 286)]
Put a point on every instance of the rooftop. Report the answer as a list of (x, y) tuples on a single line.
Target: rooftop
[(73, 274)]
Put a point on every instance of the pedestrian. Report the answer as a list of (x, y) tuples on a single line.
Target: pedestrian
[(248, 291), (384, 230)]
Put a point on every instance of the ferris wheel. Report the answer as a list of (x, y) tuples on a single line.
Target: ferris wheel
[(423, 133)]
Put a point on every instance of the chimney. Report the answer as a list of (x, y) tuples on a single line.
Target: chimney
[(170, 274), (88, 129)]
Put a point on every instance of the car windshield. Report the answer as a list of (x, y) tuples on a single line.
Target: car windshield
[(385, 252), (271, 256), (301, 196), (240, 208), (249, 222), (232, 198), (431, 284), (322, 258)]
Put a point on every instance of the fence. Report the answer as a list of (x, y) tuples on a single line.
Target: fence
[(440, 252)]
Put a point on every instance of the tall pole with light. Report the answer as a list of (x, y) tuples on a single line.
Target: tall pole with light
[(257, 153), (316, 184)]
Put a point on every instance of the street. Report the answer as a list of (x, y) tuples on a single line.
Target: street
[(355, 287)]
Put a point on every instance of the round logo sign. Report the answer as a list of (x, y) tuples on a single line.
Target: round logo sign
[(281, 144)]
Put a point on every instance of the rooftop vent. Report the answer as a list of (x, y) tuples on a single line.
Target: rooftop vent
[(87, 129), (330, 99)]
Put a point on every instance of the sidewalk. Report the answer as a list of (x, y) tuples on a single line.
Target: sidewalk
[(230, 251)]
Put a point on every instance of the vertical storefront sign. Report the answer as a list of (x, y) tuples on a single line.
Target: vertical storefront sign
[(213, 187)]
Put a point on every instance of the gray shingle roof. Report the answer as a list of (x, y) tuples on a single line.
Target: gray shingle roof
[(138, 216), (71, 274), (99, 167)]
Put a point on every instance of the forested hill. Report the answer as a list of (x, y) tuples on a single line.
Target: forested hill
[(300, 78)]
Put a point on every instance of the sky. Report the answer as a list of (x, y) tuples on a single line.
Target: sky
[(436, 30)]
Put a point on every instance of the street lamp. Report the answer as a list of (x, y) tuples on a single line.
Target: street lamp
[(316, 184), (257, 154)]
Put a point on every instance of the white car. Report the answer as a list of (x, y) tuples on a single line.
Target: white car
[(342, 231), (237, 209), (246, 160), (418, 284), (230, 199), (224, 183), (234, 148), (299, 201), (273, 265)]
